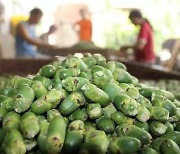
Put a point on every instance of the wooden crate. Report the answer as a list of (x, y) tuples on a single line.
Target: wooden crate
[(31, 66), (22, 66)]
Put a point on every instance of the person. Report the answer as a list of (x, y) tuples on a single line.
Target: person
[(45, 37), (26, 41), (144, 47), (85, 26)]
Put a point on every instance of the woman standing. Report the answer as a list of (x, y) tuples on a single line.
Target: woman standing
[(144, 47)]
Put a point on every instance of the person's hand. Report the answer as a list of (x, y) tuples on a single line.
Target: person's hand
[(124, 48), (51, 47)]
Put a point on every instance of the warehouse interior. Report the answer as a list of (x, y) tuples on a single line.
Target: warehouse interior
[(107, 33), (89, 76)]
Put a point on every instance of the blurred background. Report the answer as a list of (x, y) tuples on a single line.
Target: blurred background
[(112, 28)]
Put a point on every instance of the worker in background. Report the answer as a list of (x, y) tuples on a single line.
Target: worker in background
[(45, 37), (26, 40), (84, 26), (144, 47)]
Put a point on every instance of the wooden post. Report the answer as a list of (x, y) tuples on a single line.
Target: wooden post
[(175, 50)]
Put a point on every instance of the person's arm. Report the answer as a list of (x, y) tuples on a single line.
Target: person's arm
[(21, 30), (138, 46), (142, 37), (75, 27), (141, 42)]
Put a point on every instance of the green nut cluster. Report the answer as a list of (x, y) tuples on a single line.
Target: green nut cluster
[(87, 105), (170, 85)]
